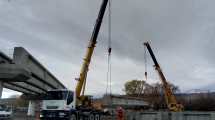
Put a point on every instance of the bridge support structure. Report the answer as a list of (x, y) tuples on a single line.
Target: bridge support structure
[(31, 108), (1, 89)]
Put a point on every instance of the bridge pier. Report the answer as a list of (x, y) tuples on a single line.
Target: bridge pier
[(1, 89), (31, 108)]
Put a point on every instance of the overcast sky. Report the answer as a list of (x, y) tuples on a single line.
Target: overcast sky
[(57, 32)]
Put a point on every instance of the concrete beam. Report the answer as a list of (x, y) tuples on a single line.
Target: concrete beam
[(27, 87), (25, 74), (17, 88), (23, 58), (13, 73), (4, 58)]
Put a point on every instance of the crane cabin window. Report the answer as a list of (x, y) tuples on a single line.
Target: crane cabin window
[(56, 95), (70, 98)]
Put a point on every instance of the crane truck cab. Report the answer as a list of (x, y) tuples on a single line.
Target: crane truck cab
[(58, 104), (61, 105)]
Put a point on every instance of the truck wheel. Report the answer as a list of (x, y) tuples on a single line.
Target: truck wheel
[(91, 117), (73, 117), (97, 117)]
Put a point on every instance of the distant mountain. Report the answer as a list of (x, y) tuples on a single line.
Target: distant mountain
[(210, 88)]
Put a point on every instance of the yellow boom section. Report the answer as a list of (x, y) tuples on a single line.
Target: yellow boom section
[(170, 98), (85, 67)]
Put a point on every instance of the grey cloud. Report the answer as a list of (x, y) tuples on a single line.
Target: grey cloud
[(181, 33)]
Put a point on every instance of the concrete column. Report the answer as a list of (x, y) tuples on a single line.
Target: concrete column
[(1, 89), (31, 108)]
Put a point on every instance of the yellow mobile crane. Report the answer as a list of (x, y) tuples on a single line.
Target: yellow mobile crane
[(69, 105), (170, 98), (83, 100)]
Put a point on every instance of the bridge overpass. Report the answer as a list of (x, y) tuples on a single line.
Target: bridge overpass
[(23, 73)]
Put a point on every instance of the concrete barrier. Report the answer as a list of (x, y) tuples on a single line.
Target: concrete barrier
[(188, 115)]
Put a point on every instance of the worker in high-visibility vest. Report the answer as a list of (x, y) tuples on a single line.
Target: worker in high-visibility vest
[(120, 113)]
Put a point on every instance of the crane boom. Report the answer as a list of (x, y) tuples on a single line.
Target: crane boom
[(92, 43), (72, 105), (169, 96)]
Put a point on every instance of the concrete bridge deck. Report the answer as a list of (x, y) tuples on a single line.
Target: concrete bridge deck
[(23, 73)]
